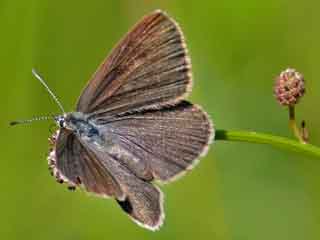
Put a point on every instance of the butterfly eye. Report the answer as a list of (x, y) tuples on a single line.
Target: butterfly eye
[(62, 123)]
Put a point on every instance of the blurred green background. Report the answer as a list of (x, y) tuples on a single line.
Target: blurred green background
[(239, 191)]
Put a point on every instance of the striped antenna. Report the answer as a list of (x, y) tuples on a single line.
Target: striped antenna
[(28, 121), (40, 118), (48, 89)]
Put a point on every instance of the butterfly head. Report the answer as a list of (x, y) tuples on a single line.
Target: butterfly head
[(67, 121), (73, 121), (61, 121)]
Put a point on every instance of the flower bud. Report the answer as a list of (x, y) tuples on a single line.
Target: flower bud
[(289, 87)]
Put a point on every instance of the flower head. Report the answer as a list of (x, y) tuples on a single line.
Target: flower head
[(289, 87)]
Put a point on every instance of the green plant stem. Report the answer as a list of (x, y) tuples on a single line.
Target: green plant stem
[(293, 124), (261, 138)]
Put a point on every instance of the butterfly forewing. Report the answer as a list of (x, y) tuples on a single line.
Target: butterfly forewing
[(149, 68)]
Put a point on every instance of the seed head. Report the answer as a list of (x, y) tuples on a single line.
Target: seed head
[(289, 87)]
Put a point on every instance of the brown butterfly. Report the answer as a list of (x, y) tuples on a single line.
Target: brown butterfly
[(132, 125)]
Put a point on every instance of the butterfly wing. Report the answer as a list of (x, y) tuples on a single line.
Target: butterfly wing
[(149, 68), (78, 162), (142, 201), (164, 143), (75, 164)]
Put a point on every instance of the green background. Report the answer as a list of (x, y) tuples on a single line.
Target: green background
[(238, 191)]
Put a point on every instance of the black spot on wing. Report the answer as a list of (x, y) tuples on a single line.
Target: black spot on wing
[(126, 206)]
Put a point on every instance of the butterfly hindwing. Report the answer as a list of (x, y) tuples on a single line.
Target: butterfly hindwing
[(77, 165), (141, 200), (81, 163), (164, 142), (144, 203)]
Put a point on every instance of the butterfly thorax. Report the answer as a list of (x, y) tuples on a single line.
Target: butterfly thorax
[(79, 124)]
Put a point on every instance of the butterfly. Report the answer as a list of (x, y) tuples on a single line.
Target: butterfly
[(132, 125)]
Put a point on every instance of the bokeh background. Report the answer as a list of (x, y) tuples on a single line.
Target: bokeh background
[(239, 191)]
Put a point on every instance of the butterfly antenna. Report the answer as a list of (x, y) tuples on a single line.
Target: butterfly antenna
[(28, 121), (48, 89)]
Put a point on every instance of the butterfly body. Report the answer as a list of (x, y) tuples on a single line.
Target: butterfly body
[(132, 124), (80, 125)]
